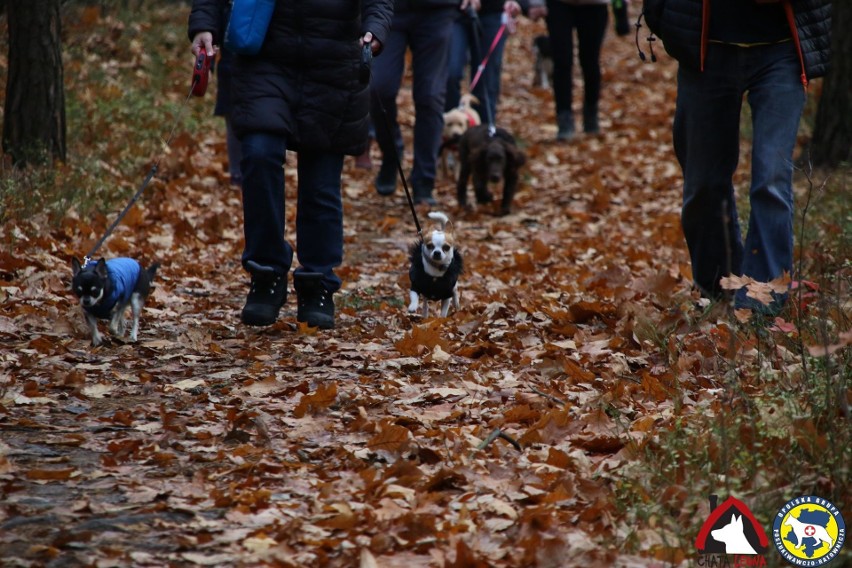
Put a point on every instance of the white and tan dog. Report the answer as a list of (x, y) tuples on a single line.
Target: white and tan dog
[(435, 268)]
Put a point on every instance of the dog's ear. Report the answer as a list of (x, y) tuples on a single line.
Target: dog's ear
[(75, 266), (101, 269)]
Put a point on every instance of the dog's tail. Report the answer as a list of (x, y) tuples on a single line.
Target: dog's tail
[(441, 218)]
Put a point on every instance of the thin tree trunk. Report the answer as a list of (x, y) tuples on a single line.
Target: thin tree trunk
[(832, 138), (34, 120)]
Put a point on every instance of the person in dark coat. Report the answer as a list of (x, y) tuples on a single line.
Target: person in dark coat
[(303, 91), (425, 27), (767, 50), (223, 103)]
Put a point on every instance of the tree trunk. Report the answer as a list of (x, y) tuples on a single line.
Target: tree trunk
[(34, 120), (832, 139)]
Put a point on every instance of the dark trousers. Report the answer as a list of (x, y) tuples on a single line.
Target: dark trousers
[(590, 21), (468, 48), (707, 144), (427, 33), (319, 209)]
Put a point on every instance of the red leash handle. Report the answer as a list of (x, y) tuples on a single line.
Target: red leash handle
[(201, 73)]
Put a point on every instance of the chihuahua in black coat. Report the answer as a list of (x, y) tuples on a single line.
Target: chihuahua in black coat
[(106, 288), (435, 268)]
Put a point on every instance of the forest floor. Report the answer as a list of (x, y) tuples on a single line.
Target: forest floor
[(522, 430)]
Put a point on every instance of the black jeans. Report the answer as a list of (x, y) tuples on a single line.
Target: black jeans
[(590, 21)]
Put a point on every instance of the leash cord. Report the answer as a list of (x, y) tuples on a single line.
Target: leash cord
[(145, 183)]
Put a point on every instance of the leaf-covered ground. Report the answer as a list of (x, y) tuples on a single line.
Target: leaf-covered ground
[(495, 437)]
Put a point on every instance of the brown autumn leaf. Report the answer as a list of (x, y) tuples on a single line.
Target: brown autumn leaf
[(322, 398)]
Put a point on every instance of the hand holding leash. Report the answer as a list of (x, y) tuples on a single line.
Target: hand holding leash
[(201, 73)]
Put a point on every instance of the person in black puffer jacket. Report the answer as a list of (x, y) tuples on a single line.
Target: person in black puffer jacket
[(767, 50), (304, 91)]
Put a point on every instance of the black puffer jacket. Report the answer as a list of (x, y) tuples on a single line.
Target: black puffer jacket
[(682, 25), (305, 82)]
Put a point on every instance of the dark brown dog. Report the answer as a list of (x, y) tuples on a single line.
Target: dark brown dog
[(492, 157)]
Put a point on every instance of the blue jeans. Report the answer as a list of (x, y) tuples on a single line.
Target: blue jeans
[(707, 144), (427, 34), (319, 209), (466, 48)]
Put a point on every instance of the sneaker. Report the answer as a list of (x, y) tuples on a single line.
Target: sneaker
[(315, 303), (386, 180), (267, 294)]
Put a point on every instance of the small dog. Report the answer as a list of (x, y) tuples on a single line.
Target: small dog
[(106, 288), (435, 268), (543, 70), (456, 122), (492, 157)]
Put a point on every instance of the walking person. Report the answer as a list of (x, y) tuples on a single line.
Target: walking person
[(425, 28), (467, 51), (302, 91), (767, 51), (589, 19)]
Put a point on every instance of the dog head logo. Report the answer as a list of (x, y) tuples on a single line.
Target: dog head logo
[(808, 531), (731, 529)]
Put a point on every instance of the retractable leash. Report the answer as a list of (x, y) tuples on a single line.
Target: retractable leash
[(200, 77)]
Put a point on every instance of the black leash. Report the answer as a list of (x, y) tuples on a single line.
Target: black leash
[(396, 157), (197, 80)]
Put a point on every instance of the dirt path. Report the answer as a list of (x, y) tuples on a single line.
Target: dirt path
[(212, 444)]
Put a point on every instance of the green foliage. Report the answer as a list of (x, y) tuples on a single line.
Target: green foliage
[(127, 72)]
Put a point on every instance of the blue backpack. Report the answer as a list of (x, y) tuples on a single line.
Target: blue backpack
[(247, 25)]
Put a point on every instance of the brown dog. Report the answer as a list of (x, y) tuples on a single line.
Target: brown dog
[(491, 157)]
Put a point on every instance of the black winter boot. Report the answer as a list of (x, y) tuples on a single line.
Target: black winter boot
[(386, 179), (315, 303), (565, 125), (267, 294), (590, 120)]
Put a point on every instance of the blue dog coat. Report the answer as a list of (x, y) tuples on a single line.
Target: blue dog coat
[(123, 275)]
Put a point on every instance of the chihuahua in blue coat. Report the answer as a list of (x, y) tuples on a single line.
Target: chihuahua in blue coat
[(106, 288)]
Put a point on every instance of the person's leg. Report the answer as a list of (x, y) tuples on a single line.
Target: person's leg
[(491, 75), (591, 27), (706, 142), (234, 153), (263, 201), (776, 98), (430, 41), (457, 62), (385, 82), (319, 215), (560, 29), (267, 255)]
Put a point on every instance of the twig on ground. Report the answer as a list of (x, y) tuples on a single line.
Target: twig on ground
[(549, 396), (498, 433)]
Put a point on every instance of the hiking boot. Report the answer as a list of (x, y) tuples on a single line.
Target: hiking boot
[(386, 180), (590, 120), (267, 294), (423, 194), (565, 124), (315, 303)]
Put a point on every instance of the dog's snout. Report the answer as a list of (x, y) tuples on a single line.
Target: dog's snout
[(437, 254)]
